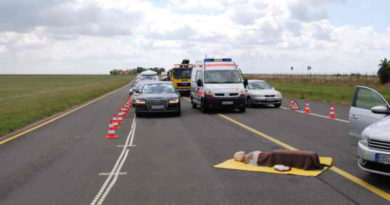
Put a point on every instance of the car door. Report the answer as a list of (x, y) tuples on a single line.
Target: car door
[(198, 89), (360, 115)]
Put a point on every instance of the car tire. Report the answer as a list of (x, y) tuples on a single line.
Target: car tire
[(248, 102), (178, 113), (139, 114), (278, 105), (242, 109), (203, 107)]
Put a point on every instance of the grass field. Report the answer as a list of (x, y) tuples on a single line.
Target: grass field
[(25, 99), (336, 89)]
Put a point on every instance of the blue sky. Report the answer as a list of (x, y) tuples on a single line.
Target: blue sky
[(371, 13)]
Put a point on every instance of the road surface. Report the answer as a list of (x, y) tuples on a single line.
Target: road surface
[(169, 160)]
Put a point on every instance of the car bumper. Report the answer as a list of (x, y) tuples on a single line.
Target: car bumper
[(263, 101), (366, 160), (230, 102), (144, 108)]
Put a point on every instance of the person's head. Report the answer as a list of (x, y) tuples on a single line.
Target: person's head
[(239, 156)]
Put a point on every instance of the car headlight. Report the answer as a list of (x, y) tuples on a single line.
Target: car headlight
[(174, 101), (278, 95), (364, 142), (140, 101), (364, 136)]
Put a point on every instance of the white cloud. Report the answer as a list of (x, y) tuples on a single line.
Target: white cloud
[(94, 36)]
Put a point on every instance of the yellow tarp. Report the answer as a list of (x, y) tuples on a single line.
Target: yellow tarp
[(231, 164)]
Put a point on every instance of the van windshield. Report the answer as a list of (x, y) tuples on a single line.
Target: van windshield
[(222, 76)]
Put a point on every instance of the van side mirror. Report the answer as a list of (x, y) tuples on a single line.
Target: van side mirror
[(245, 83), (380, 109), (199, 83)]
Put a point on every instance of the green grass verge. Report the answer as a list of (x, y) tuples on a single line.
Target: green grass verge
[(25, 99), (332, 93)]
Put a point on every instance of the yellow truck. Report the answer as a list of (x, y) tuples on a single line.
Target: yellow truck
[(180, 75)]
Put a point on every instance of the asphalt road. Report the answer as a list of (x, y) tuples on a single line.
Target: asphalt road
[(169, 160)]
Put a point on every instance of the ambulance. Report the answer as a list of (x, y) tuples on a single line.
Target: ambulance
[(217, 83)]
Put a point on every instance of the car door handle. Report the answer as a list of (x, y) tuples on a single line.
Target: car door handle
[(354, 117)]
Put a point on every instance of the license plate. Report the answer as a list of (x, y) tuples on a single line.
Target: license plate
[(382, 158), (157, 107), (227, 102)]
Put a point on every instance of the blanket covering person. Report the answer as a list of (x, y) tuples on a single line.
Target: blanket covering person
[(297, 159)]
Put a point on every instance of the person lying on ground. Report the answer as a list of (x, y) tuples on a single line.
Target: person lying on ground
[(297, 159)]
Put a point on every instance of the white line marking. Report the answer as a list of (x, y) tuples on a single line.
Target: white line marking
[(106, 173), (104, 190), (126, 146), (317, 115), (115, 178)]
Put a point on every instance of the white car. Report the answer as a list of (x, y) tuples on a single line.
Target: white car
[(260, 92), (370, 123)]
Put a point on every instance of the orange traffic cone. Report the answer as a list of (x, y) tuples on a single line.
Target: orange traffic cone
[(111, 134), (307, 108), (332, 111), (116, 119)]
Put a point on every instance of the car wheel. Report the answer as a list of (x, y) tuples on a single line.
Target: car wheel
[(242, 109), (278, 105), (139, 114), (178, 113), (249, 102), (203, 107)]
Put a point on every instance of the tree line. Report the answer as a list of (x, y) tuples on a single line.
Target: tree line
[(135, 71)]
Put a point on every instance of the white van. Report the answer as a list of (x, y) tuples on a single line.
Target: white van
[(217, 83), (148, 75)]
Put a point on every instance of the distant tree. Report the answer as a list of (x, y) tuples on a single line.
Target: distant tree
[(384, 71), (115, 72)]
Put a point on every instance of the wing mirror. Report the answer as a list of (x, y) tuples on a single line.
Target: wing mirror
[(380, 109), (245, 83), (199, 83)]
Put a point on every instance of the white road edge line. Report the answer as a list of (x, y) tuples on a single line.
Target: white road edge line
[(103, 192), (317, 115)]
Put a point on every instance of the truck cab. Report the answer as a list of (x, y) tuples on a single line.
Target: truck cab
[(217, 83), (180, 76)]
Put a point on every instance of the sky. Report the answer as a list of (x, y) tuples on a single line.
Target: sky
[(261, 36)]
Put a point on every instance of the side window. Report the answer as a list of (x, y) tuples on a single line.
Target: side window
[(366, 99)]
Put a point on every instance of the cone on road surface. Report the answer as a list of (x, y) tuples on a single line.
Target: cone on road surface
[(117, 120), (332, 111), (125, 110), (294, 105), (307, 108), (111, 134), (113, 126)]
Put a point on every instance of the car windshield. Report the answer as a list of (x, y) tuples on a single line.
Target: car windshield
[(157, 88), (222, 76), (258, 86), (182, 73), (148, 77)]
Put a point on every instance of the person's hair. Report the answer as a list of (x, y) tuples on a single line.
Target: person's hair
[(239, 156)]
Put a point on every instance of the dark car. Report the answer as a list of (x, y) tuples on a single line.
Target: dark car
[(158, 97)]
